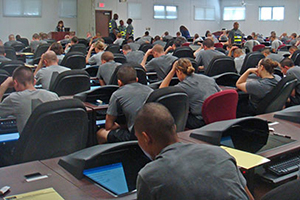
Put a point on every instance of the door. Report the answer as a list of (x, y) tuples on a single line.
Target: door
[(102, 20)]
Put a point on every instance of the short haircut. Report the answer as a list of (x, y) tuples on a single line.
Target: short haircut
[(266, 51), (158, 48), (119, 35), (287, 62), (129, 20), (2, 50), (11, 37), (147, 33), (238, 52), (74, 39), (157, 37), (36, 36), (23, 75), (156, 120), (166, 33), (208, 43), (126, 47), (126, 74), (50, 56), (179, 41), (57, 48), (249, 37), (107, 56), (294, 35)]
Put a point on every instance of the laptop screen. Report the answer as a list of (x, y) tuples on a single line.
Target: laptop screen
[(9, 137), (111, 177)]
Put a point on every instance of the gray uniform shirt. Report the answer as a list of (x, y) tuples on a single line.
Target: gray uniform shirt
[(34, 45), (204, 57), (21, 104), (44, 75), (249, 44), (275, 44), (128, 100), (296, 72), (161, 65), (129, 30), (191, 171), (275, 57), (135, 56), (106, 70), (239, 62), (198, 87), (96, 59), (4, 59)]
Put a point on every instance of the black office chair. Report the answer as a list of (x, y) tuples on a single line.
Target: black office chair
[(55, 128), (18, 46), (221, 50), (227, 79), (83, 41), (174, 81), (3, 75), (277, 97), (287, 191), (169, 43), (144, 47), (92, 70), (10, 66), (251, 60), (78, 48), (42, 48), (70, 82), (10, 53), (102, 93), (114, 48), (140, 72), (219, 65), (296, 57), (120, 58), (176, 100), (24, 41), (183, 52), (74, 60), (50, 41), (108, 40)]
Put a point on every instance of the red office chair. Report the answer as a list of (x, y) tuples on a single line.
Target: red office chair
[(220, 106), (258, 47), (187, 44), (218, 45)]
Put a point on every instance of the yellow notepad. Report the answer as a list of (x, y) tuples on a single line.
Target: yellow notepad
[(45, 194), (244, 159)]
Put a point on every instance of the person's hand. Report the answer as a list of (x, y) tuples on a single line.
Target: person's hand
[(174, 66), (201, 68), (233, 48), (149, 52), (253, 71), (8, 83)]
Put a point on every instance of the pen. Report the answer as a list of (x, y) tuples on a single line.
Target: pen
[(286, 136)]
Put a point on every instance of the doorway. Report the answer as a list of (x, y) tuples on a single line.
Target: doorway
[(102, 19)]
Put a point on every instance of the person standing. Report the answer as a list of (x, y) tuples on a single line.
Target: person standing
[(113, 27), (122, 29), (235, 35), (129, 29)]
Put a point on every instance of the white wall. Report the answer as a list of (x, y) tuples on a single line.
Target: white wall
[(26, 26), (290, 23), (158, 27)]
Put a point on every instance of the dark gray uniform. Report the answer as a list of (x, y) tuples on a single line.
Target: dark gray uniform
[(296, 72), (106, 70), (204, 57), (191, 171), (135, 56)]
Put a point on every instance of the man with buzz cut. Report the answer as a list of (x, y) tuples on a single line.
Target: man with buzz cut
[(182, 171)]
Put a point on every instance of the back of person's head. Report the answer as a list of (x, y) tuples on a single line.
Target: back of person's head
[(266, 51), (287, 62), (156, 120), (36, 36), (178, 34), (57, 48), (129, 21), (249, 37), (126, 47), (127, 74), (292, 49), (269, 64), (99, 45), (107, 56), (146, 33), (179, 41), (208, 43), (129, 40), (50, 57), (156, 38), (11, 37), (185, 66), (2, 50), (238, 52), (166, 33), (23, 75), (207, 33), (182, 28), (74, 40), (294, 35), (44, 36), (158, 49), (119, 35), (196, 36)]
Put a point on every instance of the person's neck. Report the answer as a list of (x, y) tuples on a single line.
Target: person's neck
[(266, 74), (159, 147)]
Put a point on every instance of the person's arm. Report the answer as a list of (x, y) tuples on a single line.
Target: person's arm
[(199, 49), (249, 193), (8, 83), (231, 50), (67, 47), (168, 78), (40, 65), (89, 53), (143, 63), (143, 190), (102, 83), (168, 49), (110, 123), (241, 82)]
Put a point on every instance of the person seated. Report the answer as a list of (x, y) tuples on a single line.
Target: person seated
[(158, 40), (292, 49), (205, 53), (178, 34), (288, 67), (107, 68), (60, 26), (250, 43), (256, 88), (119, 41), (239, 57), (212, 37), (197, 39), (35, 42), (197, 86), (132, 56), (74, 41), (224, 36), (95, 39), (184, 32), (11, 40), (146, 38), (44, 74), (127, 100), (99, 49), (284, 38), (274, 56), (161, 63), (133, 45), (2, 55), (58, 50), (166, 37), (293, 39), (22, 102), (181, 170), (178, 42), (275, 43)]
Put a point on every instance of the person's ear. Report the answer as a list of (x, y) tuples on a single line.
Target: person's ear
[(147, 138), (137, 79), (34, 81), (120, 83)]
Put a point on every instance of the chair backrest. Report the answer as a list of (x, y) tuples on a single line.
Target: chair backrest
[(183, 52), (83, 41), (92, 70), (296, 57), (258, 47), (220, 65), (169, 43), (114, 48), (227, 79), (283, 47), (10, 66), (24, 41), (277, 97), (78, 48), (287, 191), (18, 46), (42, 48), (155, 85), (251, 60), (108, 40), (144, 47), (176, 100), (10, 53), (55, 128), (140, 72), (220, 106), (3, 75), (74, 60), (102, 93), (70, 82), (119, 58), (218, 45)]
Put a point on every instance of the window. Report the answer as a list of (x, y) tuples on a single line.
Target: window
[(135, 10), (165, 12), (68, 8), (22, 8), (271, 13), (234, 13), (204, 13)]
